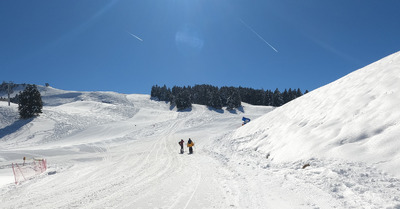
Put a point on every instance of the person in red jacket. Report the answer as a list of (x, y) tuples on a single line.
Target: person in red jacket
[(181, 143)]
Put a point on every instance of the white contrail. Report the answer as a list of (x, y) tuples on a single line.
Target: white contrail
[(257, 35), (136, 37)]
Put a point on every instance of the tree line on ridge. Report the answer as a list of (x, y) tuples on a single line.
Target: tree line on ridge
[(215, 97)]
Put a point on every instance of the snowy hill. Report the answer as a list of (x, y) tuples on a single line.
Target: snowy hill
[(355, 118), (102, 143), (110, 150)]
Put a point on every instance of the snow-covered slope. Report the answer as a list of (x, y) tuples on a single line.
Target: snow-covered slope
[(356, 118), (106, 149), (110, 150)]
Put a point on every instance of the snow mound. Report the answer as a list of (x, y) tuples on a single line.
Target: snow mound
[(55, 97), (67, 113), (355, 118)]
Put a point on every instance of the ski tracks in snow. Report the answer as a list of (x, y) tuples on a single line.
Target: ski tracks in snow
[(198, 179), (324, 184)]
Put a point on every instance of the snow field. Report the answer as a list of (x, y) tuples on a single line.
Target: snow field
[(109, 150), (101, 157)]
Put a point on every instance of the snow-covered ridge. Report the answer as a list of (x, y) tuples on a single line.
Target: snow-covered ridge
[(355, 118)]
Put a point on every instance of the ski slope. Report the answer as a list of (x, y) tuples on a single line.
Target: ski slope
[(110, 150)]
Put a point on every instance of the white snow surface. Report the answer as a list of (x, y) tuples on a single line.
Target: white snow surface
[(110, 150)]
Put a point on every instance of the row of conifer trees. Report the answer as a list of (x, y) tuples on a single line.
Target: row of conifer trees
[(215, 97)]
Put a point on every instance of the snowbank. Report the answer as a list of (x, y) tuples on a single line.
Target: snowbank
[(354, 118)]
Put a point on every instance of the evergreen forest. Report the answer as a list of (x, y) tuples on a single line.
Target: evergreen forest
[(215, 97)]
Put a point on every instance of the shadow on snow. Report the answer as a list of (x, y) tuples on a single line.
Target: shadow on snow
[(14, 127)]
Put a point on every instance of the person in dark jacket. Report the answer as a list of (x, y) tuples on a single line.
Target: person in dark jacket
[(181, 143), (190, 144)]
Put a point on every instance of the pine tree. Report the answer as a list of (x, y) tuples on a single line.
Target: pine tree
[(278, 99), (215, 100), (30, 102), (182, 100), (156, 92), (223, 93), (285, 96), (174, 93), (233, 100), (299, 93), (292, 94), (245, 94), (269, 98), (165, 94)]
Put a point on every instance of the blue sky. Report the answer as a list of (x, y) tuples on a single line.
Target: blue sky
[(129, 45)]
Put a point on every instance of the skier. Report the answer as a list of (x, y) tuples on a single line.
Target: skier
[(181, 143), (190, 144)]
